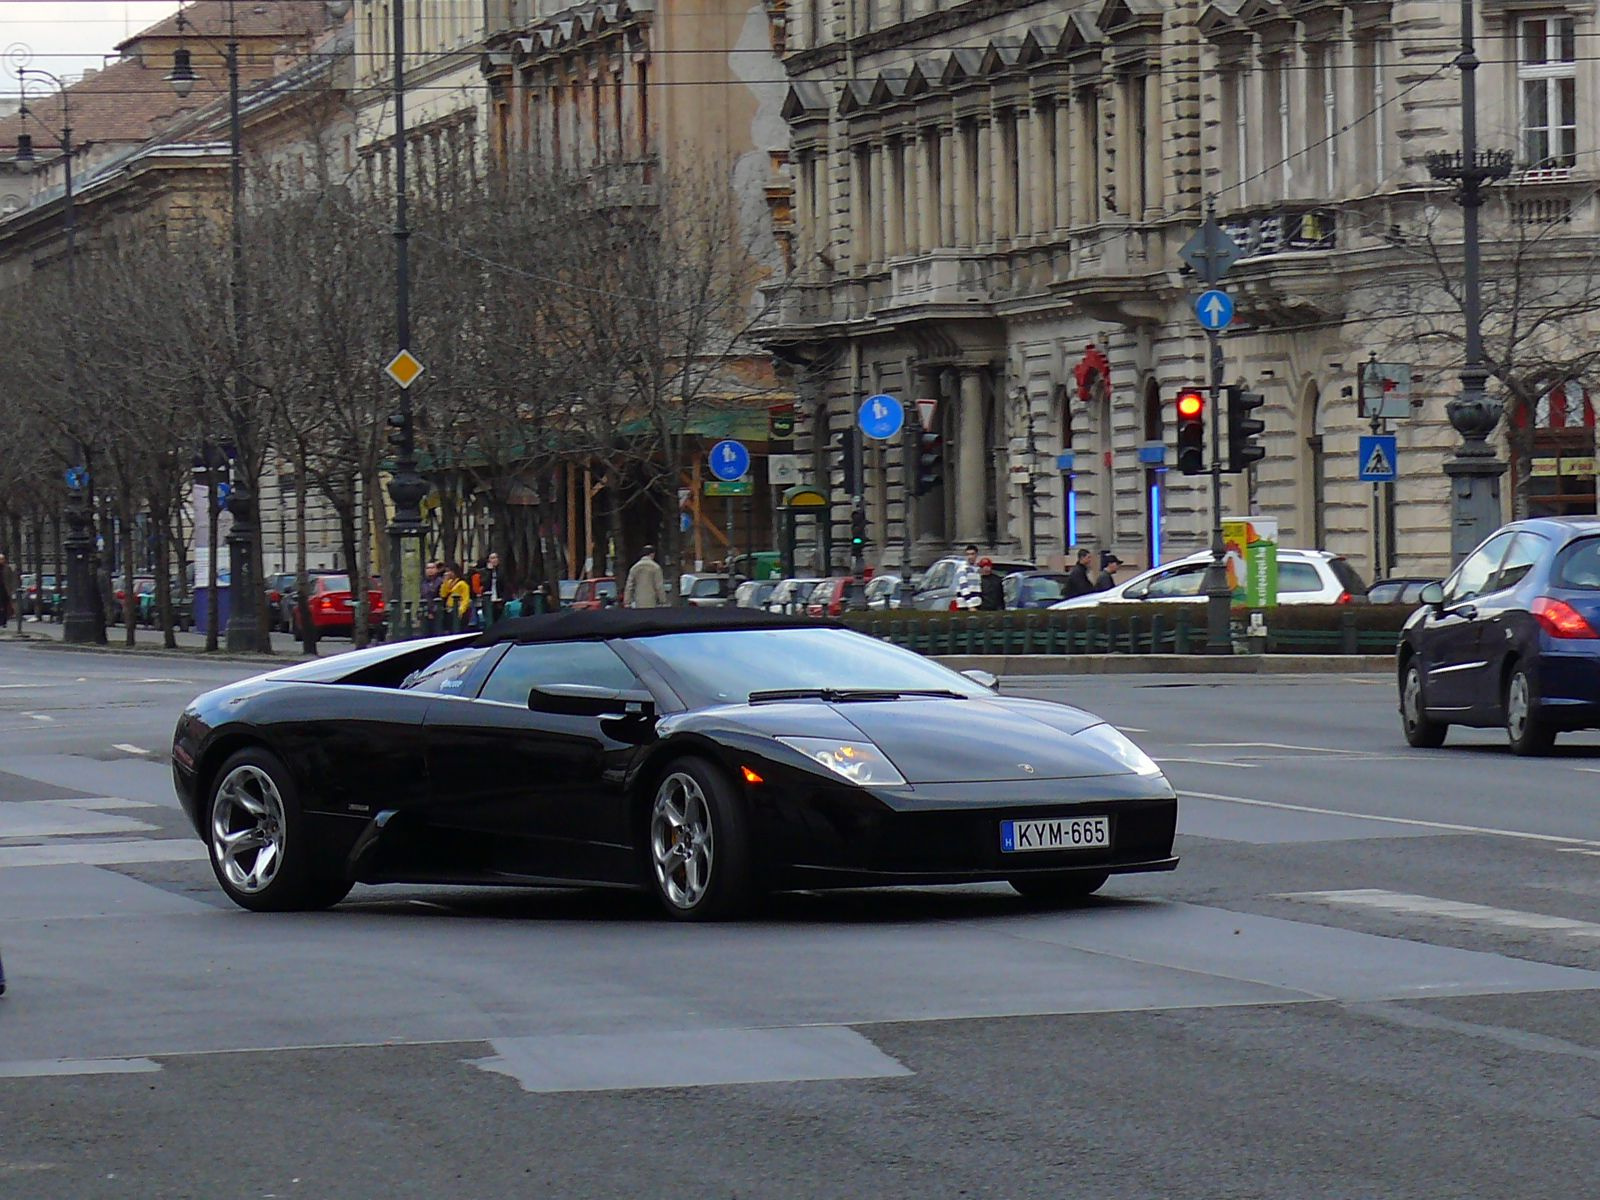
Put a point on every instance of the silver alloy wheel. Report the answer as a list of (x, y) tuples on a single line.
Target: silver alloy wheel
[(247, 828), (680, 840), (1517, 706), (1412, 700)]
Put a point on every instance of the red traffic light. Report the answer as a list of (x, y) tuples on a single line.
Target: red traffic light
[(1190, 405)]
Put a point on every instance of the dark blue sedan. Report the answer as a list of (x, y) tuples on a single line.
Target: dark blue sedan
[(1512, 638)]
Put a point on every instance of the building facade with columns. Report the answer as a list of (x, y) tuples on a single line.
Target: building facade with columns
[(990, 201)]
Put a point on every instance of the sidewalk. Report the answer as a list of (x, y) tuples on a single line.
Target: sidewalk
[(285, 649)]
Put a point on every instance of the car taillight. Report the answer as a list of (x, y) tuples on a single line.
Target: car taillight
[(1560, 620), (322, 603), (835, 609), (955, 606), (1344, 598)]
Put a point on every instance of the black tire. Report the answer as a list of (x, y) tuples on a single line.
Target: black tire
[(253, 785), (1528, 733), (1421, 730), (1063, 888), (713, 879)]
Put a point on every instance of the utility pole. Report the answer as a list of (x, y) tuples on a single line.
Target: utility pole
[(1474, 471)]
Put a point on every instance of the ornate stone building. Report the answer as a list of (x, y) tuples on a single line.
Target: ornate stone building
[(991, 197)]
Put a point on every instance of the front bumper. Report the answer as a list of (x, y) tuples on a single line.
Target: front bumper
[(844, 837)]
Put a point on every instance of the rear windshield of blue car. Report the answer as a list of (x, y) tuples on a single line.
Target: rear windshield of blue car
[(725, 666), (1579, 566)]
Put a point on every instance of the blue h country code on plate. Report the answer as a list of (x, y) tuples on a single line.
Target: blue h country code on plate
[(1064, 833)]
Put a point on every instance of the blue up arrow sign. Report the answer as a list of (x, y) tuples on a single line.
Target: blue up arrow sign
[(1214, 308)]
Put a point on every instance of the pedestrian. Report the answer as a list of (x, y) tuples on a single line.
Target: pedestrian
[(1108, 572), (492, 587), (430, 596), (969, 587), (8, 588), (456, 596), (972, 556), (991, 589), (1078, 581), (645, 587)]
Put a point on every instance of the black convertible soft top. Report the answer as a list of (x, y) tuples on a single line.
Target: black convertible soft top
[(582, 625)]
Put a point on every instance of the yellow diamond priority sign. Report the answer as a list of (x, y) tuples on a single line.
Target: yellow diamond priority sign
[(404, 368)]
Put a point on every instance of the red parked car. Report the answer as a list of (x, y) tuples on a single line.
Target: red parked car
[(828, 599), (333, 608), (595, 594)]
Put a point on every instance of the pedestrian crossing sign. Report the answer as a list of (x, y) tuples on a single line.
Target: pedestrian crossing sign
[(1379, 459)]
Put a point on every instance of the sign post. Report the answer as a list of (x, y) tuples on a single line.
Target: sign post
[(1383, 393), (1210, 253)]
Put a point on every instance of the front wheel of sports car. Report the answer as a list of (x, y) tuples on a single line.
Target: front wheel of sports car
[(1059, 889), (697, 850), (257, 838)]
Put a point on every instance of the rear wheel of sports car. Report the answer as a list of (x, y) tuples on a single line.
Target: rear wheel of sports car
[(698, 857), (1059, 889), (257, 838)]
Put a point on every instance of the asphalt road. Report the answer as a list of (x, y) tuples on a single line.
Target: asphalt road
[(1373, 975)]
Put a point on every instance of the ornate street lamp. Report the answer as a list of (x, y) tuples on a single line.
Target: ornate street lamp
[(243, 617), (1475, 470), (84, 620)]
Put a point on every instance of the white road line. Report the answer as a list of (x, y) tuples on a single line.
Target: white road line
[(1270, 746), (102, 854), (127, 749), (1455, 910), (1132, 729), (32, 716), (1577, 850), (162, 680), (99, 803), (1416, 822), (45, 1067), (1210, 762)]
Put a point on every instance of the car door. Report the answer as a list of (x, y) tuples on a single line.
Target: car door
[(542, 790), (1500, 609), (1447, 639)]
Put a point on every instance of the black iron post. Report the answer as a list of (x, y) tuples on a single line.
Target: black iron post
[(1219, 596), (84, 620), (1474, 470), (406, 486)]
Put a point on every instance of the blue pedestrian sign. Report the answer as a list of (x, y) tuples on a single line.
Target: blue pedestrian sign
[(1379, 458), (881, 417), (77, 478), (1214, 308), (730, 460)]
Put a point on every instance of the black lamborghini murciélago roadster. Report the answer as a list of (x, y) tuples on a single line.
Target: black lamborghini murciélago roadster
[(701, 754)]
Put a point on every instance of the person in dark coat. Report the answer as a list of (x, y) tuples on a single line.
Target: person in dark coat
[(1108, 573), (990, 587), (1078, 581)]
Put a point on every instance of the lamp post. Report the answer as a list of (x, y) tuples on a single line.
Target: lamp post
[(406, 486), (243, 588), (84, 620), (1475, 470)]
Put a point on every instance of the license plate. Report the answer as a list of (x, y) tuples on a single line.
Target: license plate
[(1066, 833)]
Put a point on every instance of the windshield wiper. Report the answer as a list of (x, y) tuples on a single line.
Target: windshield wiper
[(849, 695)]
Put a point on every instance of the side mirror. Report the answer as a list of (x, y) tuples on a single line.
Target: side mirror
[(1432, 594), (585, 700), (983, 679)]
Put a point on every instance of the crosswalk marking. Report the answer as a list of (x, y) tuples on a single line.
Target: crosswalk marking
[(1408, 905), (102, 854)]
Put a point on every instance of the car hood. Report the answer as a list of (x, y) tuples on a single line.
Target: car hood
[(974, 740)]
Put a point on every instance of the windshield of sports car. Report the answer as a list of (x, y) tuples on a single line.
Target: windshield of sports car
[(728, 666)]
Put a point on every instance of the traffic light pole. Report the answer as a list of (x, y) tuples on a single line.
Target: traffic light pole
[(1219, 596)]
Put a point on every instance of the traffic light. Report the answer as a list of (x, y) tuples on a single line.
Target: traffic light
[(858, 529), (930, 461), (1191, 431), (850, 460), (399, 431), (1243, 449)]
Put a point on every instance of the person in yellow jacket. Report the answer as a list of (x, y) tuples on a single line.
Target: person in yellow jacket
[(456, 596)]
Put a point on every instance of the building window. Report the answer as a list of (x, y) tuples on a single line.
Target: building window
[(1547, 74)]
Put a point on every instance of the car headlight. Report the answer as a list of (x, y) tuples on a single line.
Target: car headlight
[(859, 762), (1116, 745)]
